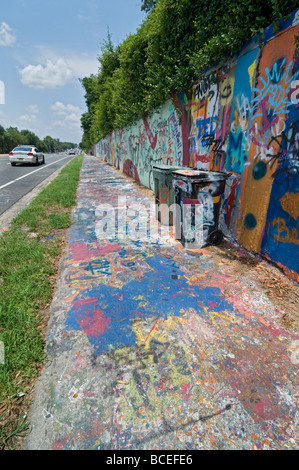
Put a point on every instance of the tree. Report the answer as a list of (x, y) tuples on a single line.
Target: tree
[(86, 122), (31, 138), (148, 5), (176, 43), (49, 143), (12, 138), (2, 134)]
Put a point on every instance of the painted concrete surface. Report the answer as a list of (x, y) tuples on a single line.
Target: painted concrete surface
[(151, 346)]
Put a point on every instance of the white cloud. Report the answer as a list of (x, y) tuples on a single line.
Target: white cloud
[(84, 18), (58, 124), (4, 119), (83, 66), (64, 109), (28, 118), (73, 118), (51, 75), (58, 108), (33, 108), (7, 38), (31, 116), (69, 114)]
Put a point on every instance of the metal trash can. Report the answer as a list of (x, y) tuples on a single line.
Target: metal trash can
[(197, 196), (164, 195)]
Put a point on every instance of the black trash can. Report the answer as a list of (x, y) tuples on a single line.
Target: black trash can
[(197, 196), (164, 195)]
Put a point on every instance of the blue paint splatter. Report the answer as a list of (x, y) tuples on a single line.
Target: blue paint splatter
[(164, 292)]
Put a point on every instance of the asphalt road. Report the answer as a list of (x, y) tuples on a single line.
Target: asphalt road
[(17, 181)]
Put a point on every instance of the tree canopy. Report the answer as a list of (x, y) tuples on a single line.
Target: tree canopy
[(177, 41), (148, 5), (11, 137)]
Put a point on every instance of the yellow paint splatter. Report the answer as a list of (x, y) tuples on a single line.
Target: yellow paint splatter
[(251, 70)]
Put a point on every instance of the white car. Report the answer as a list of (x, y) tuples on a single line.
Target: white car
[(26, 154)]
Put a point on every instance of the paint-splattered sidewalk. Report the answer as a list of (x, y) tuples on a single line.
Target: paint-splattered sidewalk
[(153, 347)]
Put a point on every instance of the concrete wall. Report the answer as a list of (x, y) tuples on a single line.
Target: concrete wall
[(157, 139), (242, 118)]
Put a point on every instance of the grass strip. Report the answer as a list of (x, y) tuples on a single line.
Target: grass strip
[(28, 266)]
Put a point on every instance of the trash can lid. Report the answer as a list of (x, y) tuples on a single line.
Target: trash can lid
[(200, 175), (168, 168)]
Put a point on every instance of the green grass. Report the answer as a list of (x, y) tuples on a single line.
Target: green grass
[(28, 265)]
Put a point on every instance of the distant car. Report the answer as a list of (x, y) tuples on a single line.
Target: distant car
[(26, 154)]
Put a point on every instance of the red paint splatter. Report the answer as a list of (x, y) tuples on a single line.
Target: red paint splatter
[(161, 383), (187, 200), (94, 323), (201, 159), (275, 331), (139, 313), (81, 251), (212, 304), (230, 204), (152, 139), (130, 170), (58, 445), (78, 304)]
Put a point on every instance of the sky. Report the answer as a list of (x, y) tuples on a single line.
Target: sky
[(46, 46)]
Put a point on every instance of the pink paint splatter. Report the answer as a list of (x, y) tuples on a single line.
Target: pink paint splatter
[(265, 409), (80, 363), (81, 251), (184, 390)]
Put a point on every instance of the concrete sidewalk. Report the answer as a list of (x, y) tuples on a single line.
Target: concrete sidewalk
[(151, 346)]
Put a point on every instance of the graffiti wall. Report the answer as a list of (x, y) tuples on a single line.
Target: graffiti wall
[(154, 140), (244, 119)]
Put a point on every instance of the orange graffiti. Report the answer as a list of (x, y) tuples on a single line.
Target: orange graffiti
[(291, 235), (290, 204)]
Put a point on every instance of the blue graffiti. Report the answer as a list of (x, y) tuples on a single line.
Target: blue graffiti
[(206, 126), (237, 150)]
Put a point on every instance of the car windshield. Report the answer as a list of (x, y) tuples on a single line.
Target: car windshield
[(25, 149)]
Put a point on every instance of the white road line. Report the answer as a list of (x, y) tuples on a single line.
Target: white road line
[(28, 174)]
